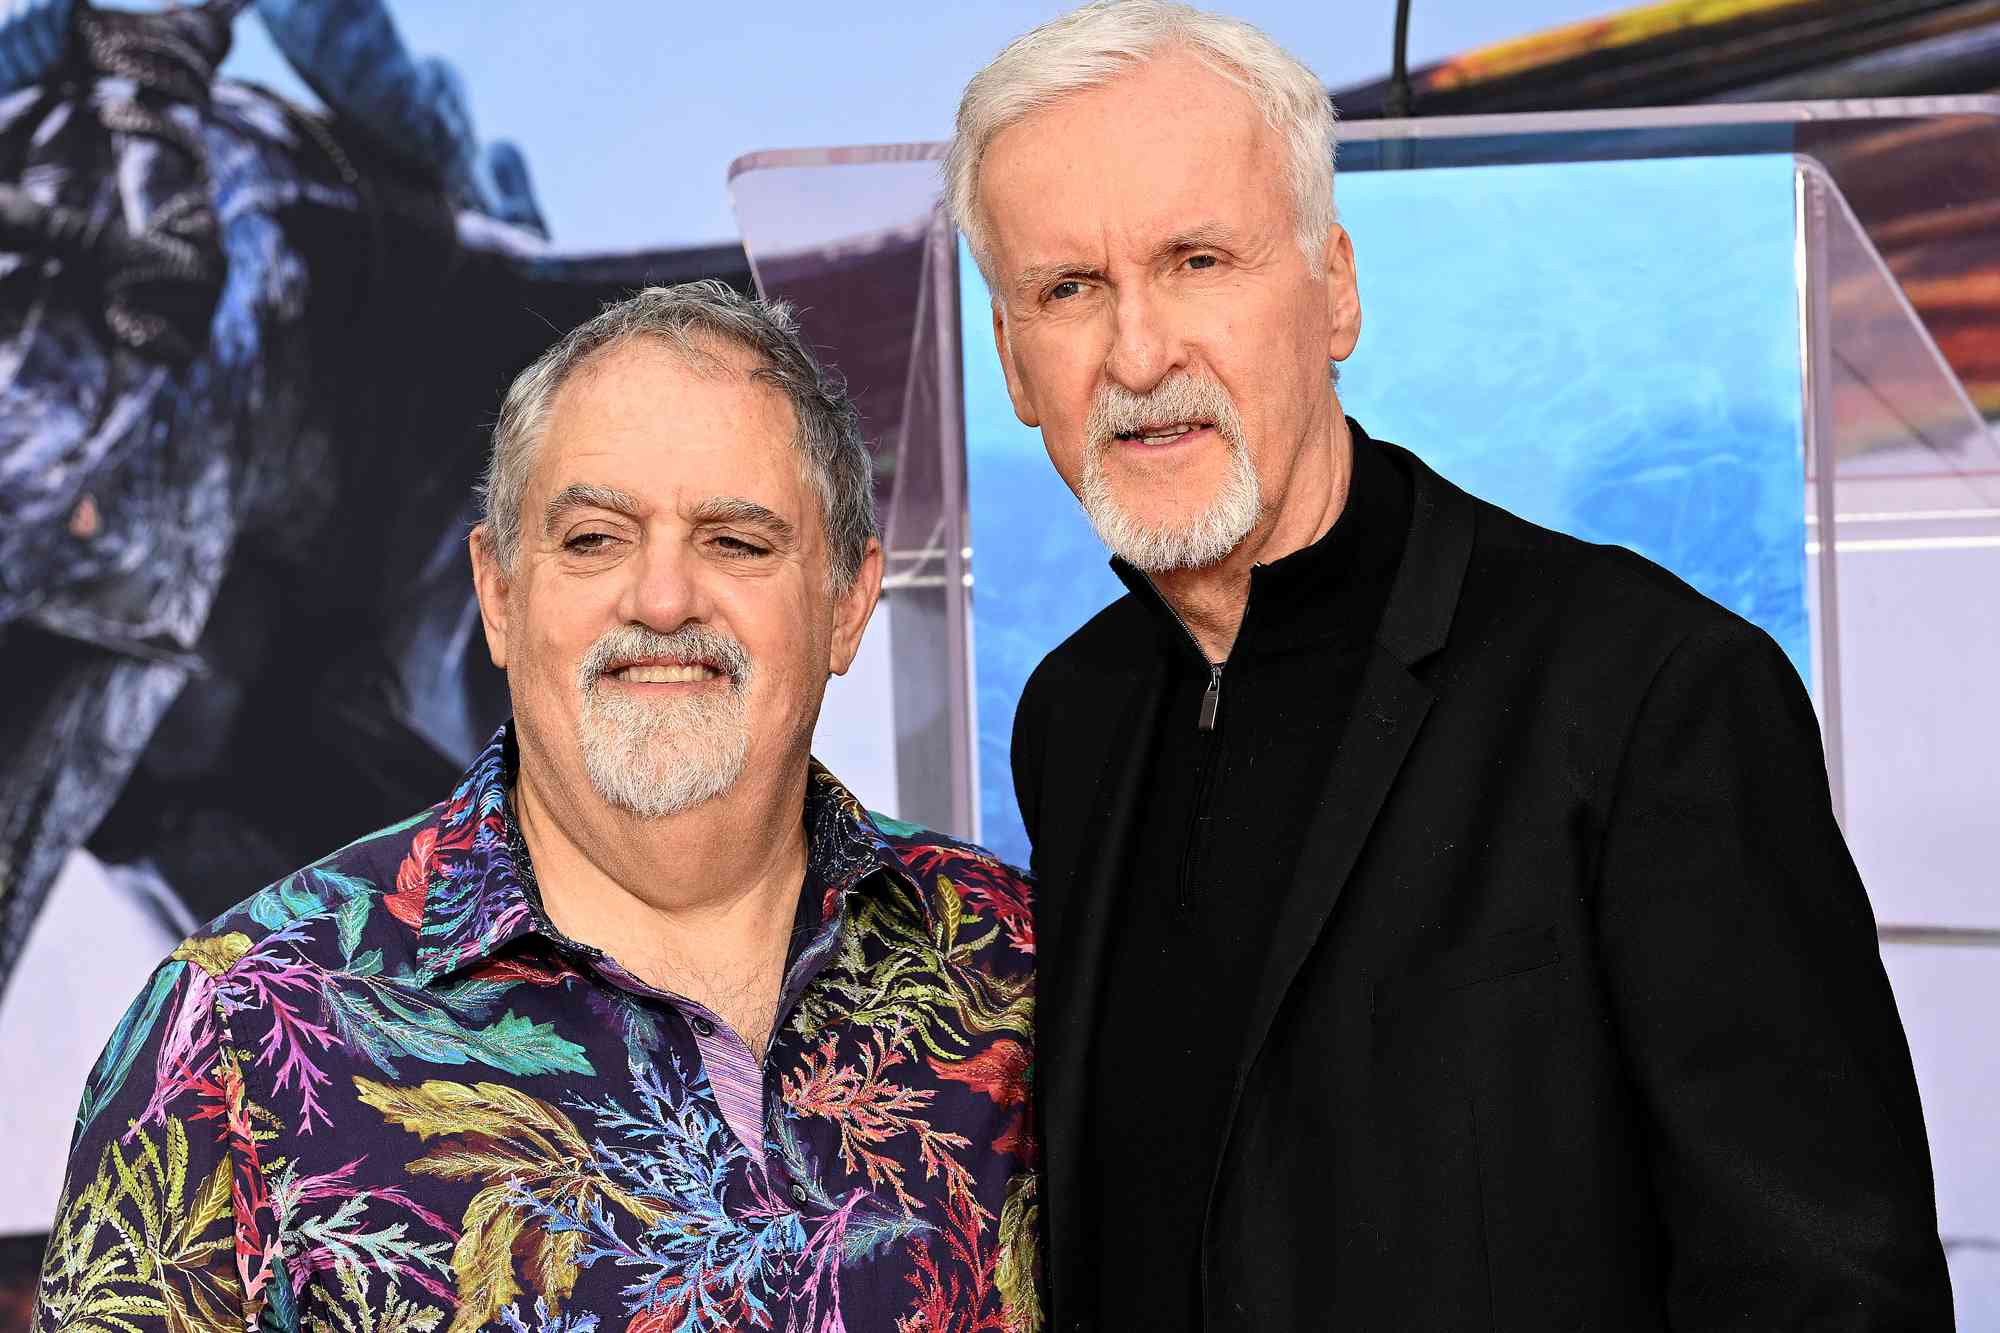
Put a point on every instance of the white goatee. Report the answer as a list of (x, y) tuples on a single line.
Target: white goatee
[(655, 758), (1219, 526)]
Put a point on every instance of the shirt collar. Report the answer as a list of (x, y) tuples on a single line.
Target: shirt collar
[(480, 896)]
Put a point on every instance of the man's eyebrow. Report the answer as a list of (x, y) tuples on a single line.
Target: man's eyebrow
[(586, 496), (736, 509), (1201, 236), (1036, 276)]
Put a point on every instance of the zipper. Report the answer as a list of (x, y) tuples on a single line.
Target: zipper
[(1205, 723), (1211, 698), (1191, 844)]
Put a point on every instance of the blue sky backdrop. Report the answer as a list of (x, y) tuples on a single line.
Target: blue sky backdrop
[(630, 111)]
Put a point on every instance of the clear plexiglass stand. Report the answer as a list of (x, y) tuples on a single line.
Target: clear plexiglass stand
[(1895, 237)]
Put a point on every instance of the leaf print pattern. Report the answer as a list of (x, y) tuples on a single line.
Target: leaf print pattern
[(341, 1239), (382, 1095), (355, 1312), (142, 1243), (869, 1111)]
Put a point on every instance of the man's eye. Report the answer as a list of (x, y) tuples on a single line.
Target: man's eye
[(1062, 291), (736, 546), (583, 543), (1202, 261)]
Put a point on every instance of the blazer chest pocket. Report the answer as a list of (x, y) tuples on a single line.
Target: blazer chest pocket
[(1502, 956)]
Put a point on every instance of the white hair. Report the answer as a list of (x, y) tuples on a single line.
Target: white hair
[(1091, 46)]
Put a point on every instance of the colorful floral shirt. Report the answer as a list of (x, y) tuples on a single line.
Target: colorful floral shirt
[(385, 1095)]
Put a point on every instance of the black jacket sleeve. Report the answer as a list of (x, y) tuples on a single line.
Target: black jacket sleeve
[(1739, 951), (1026, 751)]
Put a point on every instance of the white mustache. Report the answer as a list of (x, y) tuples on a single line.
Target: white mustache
[(1116, 410), (691, 641)]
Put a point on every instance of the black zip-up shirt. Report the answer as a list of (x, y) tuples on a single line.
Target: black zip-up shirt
[(1221, 814)]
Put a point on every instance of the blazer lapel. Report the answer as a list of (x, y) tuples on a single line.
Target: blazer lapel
[(1389, 710), (1075, 917)]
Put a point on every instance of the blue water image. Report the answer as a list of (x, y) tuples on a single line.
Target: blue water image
[(1610, 349)]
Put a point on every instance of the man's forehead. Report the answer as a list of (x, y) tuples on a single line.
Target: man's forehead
[(681, 479), (656, 431), (1152, 153), (1040, 242)]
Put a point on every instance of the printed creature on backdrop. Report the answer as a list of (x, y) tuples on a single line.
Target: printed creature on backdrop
[(235, 468), (350, 54)]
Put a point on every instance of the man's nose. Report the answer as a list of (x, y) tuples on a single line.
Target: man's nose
[(1144, 344), (666, 589)]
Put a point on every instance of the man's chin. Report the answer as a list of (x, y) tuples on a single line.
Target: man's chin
[(1165, 544), (654, 766), (660, 808), (652, 795), (1169, 558)]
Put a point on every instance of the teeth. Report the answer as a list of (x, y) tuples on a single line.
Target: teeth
[(665, 675)]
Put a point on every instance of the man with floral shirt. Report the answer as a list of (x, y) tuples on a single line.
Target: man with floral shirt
[(649, 1026)]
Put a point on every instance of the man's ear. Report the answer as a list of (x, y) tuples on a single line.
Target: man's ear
[(852, 610), (1343, 295), (1004, 345), (490, 582)]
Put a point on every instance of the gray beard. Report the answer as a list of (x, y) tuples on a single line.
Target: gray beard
[(655, 760), (1193, 544), (659, 758)]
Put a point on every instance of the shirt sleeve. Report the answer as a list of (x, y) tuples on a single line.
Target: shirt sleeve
[(146, 1232), (1786, 1140)]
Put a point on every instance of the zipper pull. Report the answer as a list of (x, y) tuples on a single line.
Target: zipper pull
[(1211, 698)]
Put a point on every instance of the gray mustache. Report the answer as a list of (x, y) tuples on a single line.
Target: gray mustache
[(1117, 411), (697, 642)]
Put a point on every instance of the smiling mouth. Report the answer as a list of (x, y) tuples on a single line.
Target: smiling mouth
[(665, 673), (1167, 434)]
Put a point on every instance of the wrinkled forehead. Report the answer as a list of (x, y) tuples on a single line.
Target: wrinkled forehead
[(1145, 156), (649, 383), (648, 419)]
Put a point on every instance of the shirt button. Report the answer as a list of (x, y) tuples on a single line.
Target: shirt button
[(702, 1027), (798, 1193)]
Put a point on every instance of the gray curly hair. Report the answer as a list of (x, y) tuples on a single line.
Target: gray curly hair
[(692, 318)]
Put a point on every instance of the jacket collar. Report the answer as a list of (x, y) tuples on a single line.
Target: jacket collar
[(478, 900), (1330, 591), (1424, 598)]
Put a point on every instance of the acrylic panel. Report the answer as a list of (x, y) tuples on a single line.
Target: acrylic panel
[(1609, 348)]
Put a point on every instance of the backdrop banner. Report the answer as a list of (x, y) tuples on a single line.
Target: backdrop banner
[(249, 356)]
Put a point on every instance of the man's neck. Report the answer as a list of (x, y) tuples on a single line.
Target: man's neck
[(700, 904), (1210, 601)]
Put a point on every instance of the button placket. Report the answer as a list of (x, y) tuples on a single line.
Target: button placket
[(735, 1077)]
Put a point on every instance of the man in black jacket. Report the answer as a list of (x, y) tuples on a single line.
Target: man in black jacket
[(1444, 924)]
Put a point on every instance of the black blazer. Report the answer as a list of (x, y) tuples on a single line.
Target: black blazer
[(1577, 1020)]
